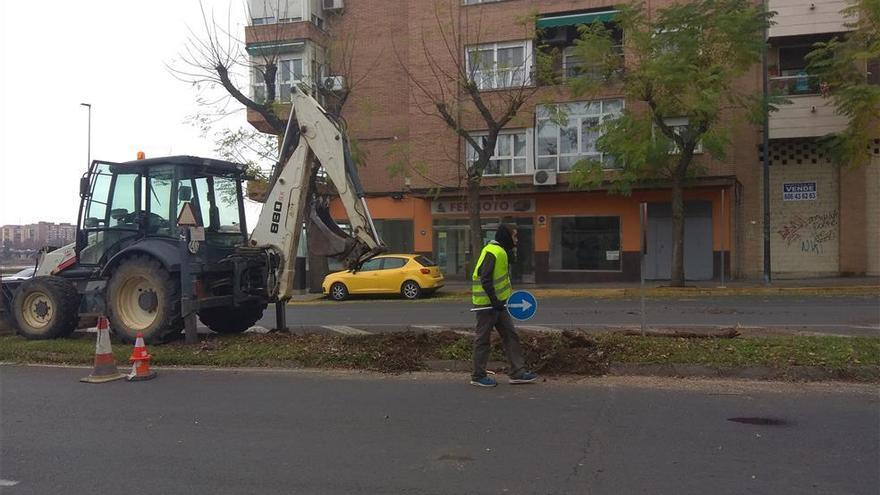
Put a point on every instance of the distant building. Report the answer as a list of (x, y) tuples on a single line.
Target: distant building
[(37, 235)]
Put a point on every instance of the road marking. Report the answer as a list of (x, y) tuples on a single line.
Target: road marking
[(8, 483), (539, 328), (346, 330)]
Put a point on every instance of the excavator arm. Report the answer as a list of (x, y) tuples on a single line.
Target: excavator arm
[(293, 198)]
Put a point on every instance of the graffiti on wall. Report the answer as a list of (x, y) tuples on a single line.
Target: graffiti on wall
[(811, 233)]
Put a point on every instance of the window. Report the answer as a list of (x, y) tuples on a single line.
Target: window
[(500, 65), (585, 243), (372, 265), (215, 203), (396, 234), (290, 71), (510, 156), (96, 211), (567, 133), (126, 200), (425, 261), (393, 263), (679, 125), (790, 77), (269, 12), (573, 66)]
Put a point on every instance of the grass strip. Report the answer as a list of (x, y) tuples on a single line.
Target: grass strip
[(565, 353)]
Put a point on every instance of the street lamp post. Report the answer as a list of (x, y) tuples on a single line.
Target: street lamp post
[(89, 156)]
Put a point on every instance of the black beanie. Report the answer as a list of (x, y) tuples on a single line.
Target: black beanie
[(504, 236)]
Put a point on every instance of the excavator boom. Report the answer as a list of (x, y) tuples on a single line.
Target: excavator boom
[(293, 197)]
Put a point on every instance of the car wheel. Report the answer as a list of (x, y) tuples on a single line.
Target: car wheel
[(410, 290), (338, 291)]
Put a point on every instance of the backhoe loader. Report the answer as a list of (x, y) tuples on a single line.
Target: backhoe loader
[(143, 223)]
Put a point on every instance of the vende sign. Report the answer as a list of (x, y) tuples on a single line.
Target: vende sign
[(799, 191), (494, 206)]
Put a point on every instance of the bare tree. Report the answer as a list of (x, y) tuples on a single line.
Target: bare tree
[(216, 57), (458, 71)]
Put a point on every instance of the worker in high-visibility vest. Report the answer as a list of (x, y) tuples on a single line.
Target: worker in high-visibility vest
[(491, 288)]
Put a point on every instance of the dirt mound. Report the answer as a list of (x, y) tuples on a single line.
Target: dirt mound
[(569, 352)]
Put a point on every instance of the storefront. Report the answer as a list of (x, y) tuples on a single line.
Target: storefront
[(452, 234), (568, 237)]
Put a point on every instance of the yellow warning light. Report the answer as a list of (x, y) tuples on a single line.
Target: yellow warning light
[(141, 155)]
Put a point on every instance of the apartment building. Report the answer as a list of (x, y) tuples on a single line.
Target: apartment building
[(37, 235), (413, 160), (824, 220)]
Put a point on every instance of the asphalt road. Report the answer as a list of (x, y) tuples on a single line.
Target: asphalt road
[(221, 432), (833, 315)]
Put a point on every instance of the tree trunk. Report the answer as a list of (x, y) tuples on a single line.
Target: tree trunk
[(677, 232), (475, 223)]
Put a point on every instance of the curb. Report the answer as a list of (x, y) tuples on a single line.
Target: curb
[(634, 292), (630, 292), (791, 373), (767, 373)]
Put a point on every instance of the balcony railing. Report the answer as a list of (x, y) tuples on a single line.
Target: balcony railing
[(794, 85)]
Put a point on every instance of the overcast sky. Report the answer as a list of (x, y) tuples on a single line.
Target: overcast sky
[(111, 54)]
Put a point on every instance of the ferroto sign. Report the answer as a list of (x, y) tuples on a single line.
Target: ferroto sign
[(492, 206)]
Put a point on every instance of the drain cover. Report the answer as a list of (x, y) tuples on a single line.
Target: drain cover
[(760, 421)]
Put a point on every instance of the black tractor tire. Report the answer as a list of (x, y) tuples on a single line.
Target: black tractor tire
[(46, 308), (232, 320), (410, 290), (338, 291), (143, 297)]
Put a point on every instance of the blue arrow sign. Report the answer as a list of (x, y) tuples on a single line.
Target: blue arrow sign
[(522, 305)]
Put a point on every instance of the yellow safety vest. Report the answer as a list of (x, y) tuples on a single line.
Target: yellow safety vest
[(500, 276)]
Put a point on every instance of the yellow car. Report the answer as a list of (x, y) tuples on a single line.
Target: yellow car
[(410, 275)]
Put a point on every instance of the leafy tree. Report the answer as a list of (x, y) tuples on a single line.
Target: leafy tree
[(680, 68), (840, 64)]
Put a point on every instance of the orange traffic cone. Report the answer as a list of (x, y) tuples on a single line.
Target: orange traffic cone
[(140, 367), (105, 366)]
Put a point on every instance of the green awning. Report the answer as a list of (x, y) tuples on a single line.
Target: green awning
[(265, 48), (575, 19)]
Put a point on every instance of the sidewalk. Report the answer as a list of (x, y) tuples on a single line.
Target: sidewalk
[(836, 286)]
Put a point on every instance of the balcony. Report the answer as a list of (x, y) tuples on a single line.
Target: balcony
[(800, 17), (794, 85), (808, 115)]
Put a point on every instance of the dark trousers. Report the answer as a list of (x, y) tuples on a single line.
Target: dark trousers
[(501, 321)]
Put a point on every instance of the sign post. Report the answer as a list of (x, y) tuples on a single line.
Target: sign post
[(723, 236), (643, 249)]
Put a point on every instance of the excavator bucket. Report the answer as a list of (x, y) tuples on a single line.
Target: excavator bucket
[(324, 236)]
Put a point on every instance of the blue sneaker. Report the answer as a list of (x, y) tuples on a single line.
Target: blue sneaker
[(484, 382), (524, 377)]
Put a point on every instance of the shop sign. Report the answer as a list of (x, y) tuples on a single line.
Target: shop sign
[(612, 255), (799, 191), (500, 206)]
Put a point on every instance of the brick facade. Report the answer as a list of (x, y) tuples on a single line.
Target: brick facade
[(413, 154)]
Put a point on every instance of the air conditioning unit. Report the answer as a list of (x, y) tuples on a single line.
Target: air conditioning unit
[(334, 83), (544, 178), (333, 4)]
